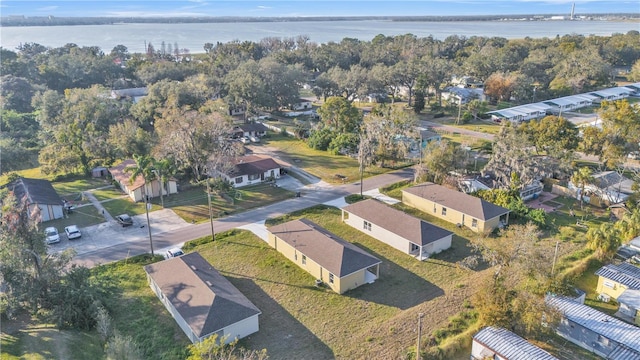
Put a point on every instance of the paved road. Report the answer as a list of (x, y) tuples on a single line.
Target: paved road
[(121, 247)]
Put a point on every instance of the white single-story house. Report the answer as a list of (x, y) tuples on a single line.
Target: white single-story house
[(252, 169), (397, 229), (42, 199), (339, 264), (611, 94), (456, 207), (472, 184), (502, 344), (634, 88), (138, 189), (302, 104), (460, 95), (250, 129), (203, 302), (521, 113), (596, 331), (134, 94)]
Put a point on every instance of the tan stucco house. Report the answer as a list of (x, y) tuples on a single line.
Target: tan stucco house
[(138, 189), (339, 264), (202, 301), (397, 229), (621, 283), (456, 207)]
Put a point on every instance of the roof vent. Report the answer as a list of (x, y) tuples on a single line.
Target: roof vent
[(193, 267), (209, 283)]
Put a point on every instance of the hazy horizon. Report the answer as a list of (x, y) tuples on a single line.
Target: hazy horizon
[(308, 8)]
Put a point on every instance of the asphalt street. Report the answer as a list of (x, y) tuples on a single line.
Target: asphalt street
[(136, 242)]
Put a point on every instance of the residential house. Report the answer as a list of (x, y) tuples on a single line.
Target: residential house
[(202, 302), (333, 261), (252, 169), (596, 331), (250, 129), (302, 104), (570, 103), (502, 344), (612, 94), (466, 82), (456, 207), (427, 136), (42, 199), (138, 189), (459, 95), (634, 89), (471, 184), (610, 186), (621, 283), (133, 94), (521, 113), (397, 229)]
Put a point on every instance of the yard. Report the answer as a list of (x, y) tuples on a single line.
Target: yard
[(319, 163)]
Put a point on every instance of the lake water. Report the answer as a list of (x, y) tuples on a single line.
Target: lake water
[(194, 36)]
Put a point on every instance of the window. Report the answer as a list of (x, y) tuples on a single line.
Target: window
[(304, 259), (239, 180), (474, 223), (254, 177), (366, 225), (609, 284), (444, 211), (330, 278)]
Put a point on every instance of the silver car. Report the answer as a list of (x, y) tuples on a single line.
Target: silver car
[(72, 232), (52, 235)]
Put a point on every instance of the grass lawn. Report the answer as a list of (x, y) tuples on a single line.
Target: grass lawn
[(24, 339), (82, 216), (588, 282), (480, 126), (319, 163)]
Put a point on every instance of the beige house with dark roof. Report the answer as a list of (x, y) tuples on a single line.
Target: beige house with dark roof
[(202, 301), (252, 169), (138, 189), (397, 229), (339, 264), (456, 207)]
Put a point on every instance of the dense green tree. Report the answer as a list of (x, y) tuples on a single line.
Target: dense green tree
[(441, 157), (16, 93), (552, 135), (604, 240), (581, 178), (128, 138), (339, 115)]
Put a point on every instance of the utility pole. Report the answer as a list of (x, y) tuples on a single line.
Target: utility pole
[(147, 205), (420, 315), (213, 236)]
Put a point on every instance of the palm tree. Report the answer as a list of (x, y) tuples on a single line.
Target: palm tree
[(604, 240), (582, 178), (162, 169)]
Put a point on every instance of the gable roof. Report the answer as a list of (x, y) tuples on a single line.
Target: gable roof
[(36, 191), (398, 222), (509, 345), (625, 274), (456, 200), (252, 165), (206, 300), (599, 322), (118, 172), (337, 255)]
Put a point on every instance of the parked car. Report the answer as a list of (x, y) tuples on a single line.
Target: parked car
[(52, 235), (245, 140), (254, 139), (175, 252), (124, 220), (72, 232)]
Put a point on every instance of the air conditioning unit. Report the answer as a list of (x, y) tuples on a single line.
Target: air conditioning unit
[(604, 298)]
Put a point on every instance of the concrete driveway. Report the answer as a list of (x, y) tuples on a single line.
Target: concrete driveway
[(110, 233)]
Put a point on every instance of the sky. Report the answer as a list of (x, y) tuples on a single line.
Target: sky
[(290, 8)]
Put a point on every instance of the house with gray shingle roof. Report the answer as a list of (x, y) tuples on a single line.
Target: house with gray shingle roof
[(596, 331), (456, 207), (202, 301), (397, 229), (334, 261), (502, 344), (42, 199), (252, 169), (621, 283)]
